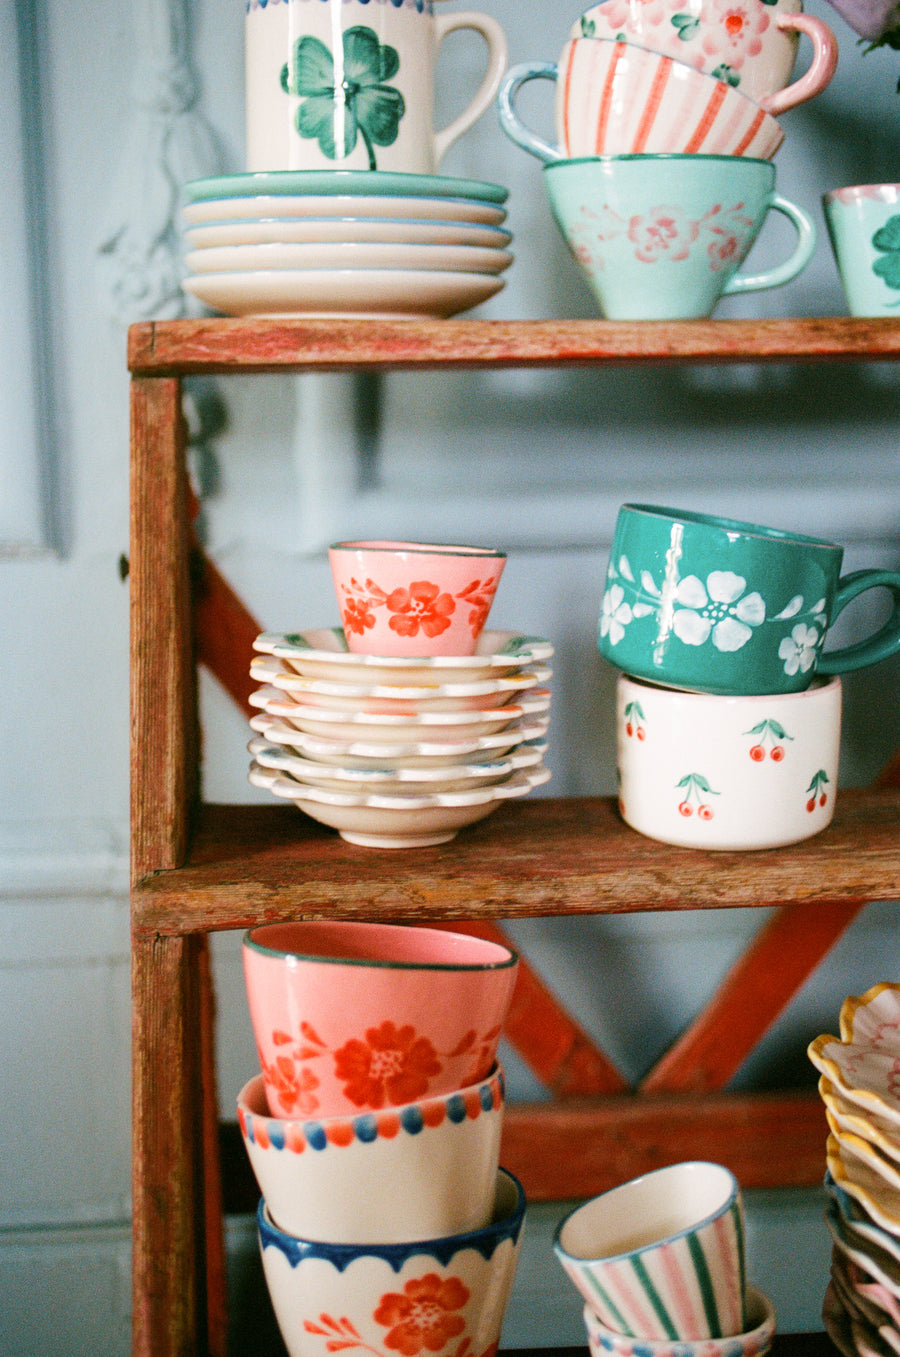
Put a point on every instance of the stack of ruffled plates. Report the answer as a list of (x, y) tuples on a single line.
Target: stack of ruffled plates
[(395, 752), (860, 1086), (348, 243)]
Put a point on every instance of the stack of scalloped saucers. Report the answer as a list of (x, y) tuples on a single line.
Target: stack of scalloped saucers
[(344, 243), (860, 1086), (396, 752)]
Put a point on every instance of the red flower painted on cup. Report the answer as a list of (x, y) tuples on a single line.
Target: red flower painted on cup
[(423, 606), (424, 1316), (393, 1065), (665, 232), (295, 1087)]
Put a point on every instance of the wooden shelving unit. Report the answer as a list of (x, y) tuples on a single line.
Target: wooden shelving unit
[(198, 868)]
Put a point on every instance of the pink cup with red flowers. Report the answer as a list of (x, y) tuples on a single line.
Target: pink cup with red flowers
[(352, 1017), (412, 598)]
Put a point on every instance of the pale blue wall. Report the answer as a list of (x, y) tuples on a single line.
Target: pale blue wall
[(539, 461)]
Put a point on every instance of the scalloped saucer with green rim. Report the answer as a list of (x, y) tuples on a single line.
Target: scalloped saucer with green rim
[(371, 182)]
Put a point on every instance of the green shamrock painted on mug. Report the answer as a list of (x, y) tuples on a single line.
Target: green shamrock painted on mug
[(887, 239), (361, 104)]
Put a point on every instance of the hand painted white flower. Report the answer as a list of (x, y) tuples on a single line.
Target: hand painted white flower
[(718, 609), (799, 649), (615, 614)]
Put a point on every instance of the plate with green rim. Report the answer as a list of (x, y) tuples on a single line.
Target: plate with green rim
[(372, 183)]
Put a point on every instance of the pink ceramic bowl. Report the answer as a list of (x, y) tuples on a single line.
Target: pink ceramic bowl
[(353, 1017), (412, 598), (338, 1178)]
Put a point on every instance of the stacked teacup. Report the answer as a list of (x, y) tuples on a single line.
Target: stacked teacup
[(728, 713), (660, 1265), (411, 720), (374, 1134), (666, 124)]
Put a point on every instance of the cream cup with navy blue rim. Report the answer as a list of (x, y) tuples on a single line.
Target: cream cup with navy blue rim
[(717, 605)]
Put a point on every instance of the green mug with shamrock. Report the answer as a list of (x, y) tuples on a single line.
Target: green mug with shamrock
[(864, 228), (350, 85)]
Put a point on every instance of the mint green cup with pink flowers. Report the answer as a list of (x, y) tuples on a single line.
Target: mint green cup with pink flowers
[(716, 605), (662, 237)]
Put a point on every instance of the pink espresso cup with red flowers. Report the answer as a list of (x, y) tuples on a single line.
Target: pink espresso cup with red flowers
[(353, 1017), (412, 598)]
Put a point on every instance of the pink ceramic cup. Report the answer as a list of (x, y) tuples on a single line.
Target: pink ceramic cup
[(353, 1017), (613, 98), (413, 598), (751, 46)]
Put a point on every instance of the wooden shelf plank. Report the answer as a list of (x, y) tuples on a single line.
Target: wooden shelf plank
[(537, 857), (240, 345)]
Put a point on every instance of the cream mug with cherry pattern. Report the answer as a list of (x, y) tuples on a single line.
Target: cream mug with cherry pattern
[(702, 770), (749, 44)]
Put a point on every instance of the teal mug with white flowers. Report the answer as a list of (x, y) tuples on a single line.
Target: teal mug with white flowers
[(715, 605), (350, 85)]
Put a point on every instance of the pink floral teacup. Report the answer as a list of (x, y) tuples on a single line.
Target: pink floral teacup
[(661, 237), (749, 44), (412, 598), (354, 1017)]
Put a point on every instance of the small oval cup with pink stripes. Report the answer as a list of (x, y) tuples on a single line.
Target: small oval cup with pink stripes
[(613, 98), (662, 1256)]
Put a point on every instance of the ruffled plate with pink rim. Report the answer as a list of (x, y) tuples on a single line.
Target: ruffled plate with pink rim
[(324, 652), (848, 1116), (397, 821), (353, 753)]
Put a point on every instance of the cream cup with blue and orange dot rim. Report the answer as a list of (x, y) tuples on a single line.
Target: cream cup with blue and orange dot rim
[(661, 1256), (746, 772)]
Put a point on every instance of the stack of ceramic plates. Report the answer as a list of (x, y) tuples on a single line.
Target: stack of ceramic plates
[(396, 752), (348, 243), (860, 1086)]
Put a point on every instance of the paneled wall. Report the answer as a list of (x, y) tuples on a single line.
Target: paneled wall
[(537, 462)]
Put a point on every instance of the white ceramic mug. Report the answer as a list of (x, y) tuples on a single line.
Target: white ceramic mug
[(752, 46), (349, 84), (708, 771)]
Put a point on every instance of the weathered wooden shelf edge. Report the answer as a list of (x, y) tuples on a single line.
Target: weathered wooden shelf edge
[(222, 345), (541, 856)]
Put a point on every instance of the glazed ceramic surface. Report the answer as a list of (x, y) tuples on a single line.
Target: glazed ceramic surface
[(863, 224), (755, 1341), (663, 237), (374, 294), (728, 773), (421, 1170), (355, 1017), (425, 753), (615, 99), (865, 1074), (873, 1017), (324, 653), (348, 254), (751, 46), (717, 605), (389, 778), (661, 1257), (300, 206), (880, 1200), (440, 1296), (352, 83), (361, 186), (860, 1226), (385, 821), (848, 1116), (407, 699), (412, 598), (329, 230)]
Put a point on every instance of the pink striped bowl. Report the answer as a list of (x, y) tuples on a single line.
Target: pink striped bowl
[(613, 98), (661, 1257)]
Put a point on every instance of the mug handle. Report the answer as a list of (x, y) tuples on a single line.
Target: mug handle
[(821, 69), (512, 125), (884, 643), (498, 59), (782, 273)]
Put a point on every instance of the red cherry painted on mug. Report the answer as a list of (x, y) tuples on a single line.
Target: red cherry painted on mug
[(641, 733), (811, 804), (822, 799), (685, 809), (705, 812), (777, 753), (757, 753), (629, 729)]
